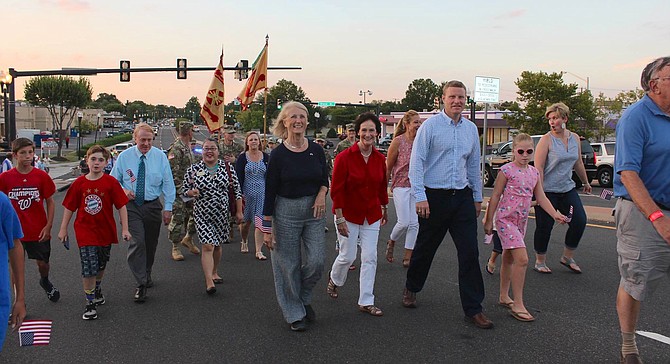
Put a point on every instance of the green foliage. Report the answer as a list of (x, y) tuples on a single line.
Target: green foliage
[(192, 108), (420, 94), (107, 102), (62, 96), (284, 90), (252, 119), (331, 133), (537, 90)]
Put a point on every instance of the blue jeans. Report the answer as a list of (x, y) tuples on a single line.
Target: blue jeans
[(545, 223), (297, 233)]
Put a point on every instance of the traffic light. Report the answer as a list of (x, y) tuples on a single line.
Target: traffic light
[(436, 103), (124, 71), (181, 68), (242, 74), (278, 104)]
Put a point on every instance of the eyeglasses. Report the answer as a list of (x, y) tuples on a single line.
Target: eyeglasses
[(210, 149), (527, 151), (661, 78)]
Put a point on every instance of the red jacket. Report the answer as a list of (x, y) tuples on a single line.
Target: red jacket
[(359, 188)]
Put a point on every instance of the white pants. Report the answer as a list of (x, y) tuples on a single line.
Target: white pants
[(408, 220), (368, 235)]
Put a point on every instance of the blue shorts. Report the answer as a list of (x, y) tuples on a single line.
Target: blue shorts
[(94, 259)]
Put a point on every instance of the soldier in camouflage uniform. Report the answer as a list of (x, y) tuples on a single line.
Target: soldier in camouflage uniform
[(329, 158), (346, 143), (181, 157)]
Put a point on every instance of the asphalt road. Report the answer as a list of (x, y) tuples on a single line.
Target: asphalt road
[(576, 317)]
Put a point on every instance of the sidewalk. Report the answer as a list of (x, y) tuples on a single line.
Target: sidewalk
[(61, 174)]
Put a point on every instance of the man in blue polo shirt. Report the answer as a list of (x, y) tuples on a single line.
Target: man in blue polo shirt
[(642, 181), (12, 251)]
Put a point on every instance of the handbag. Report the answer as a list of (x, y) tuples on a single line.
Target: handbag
[(232, 206)]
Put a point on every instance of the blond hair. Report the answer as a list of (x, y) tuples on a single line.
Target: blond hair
[(401, 128), (279, 129), (559, 108), (144, 126)]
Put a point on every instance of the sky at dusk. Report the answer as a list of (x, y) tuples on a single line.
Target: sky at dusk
[(342, 46)]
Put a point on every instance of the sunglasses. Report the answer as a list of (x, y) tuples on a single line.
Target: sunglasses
[(521, 151)]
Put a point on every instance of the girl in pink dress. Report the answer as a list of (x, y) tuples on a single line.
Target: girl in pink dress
[(511, 200)]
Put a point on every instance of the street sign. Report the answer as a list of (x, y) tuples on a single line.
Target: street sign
[(487, 89), (326, 103)]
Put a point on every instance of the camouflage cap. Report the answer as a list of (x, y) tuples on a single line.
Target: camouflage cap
[(185, 126), (351, 126)]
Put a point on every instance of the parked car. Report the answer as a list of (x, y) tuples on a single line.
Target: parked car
[(604, 162), (196, 128), (503, 155)]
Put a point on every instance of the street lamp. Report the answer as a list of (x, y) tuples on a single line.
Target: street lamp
[(581, 78), (79, 116), (5, 81), (97, 126), (363, 93)]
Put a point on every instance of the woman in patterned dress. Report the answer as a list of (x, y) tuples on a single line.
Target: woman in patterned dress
[(251, 167), (207, 182)]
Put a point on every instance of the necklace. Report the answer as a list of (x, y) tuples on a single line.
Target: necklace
[(293, 146), (366, 155)]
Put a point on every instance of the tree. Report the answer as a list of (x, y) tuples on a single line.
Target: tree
[(421, 94), (107, 102), (283, 90), (251, 120), (608, 111), (192, 108), (537, 90), (62, 96)]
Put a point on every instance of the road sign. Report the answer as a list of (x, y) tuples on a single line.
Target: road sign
[(487, 89), (326, 103), (49, 144)]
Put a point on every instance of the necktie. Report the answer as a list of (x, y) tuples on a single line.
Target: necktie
[(139, 191)]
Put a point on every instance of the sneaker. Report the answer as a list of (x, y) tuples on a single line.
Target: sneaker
[(99, 299), (52, 292), (299, 325), (90, 313)]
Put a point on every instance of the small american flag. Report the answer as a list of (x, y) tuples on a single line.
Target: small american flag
[(606, 194), (569, 217), (35, 332), (131, 175)]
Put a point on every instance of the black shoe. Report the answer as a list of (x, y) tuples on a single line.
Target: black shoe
[(211, 290), (99, 299), (140, 294), (310, 315), (150, 282), (52, 292), (90, 313), (299, 325)]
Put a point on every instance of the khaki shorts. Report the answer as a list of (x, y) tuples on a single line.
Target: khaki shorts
[(644, 257)]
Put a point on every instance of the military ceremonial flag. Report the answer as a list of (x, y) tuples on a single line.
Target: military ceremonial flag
[(258, 79), (212, 108), (35, 332)]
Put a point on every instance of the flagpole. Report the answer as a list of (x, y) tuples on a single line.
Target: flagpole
[(265, 106)]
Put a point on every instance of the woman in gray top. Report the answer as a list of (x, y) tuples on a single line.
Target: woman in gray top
[(557, 153)]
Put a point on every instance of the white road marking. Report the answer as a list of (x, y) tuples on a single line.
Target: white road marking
[(652, 335)]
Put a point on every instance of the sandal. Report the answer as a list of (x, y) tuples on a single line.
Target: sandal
[(245, 247), (331, 289), (570, 263), (524, 316), (542, 268), (217, 280), (371, 309), (261, 256), (389, 251), (490, 268), (507, 305)]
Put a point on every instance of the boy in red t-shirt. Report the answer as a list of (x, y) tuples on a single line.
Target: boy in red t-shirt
[(28, 188), (93, 196)]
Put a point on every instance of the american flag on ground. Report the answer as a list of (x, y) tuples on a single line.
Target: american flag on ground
[(35, 332), (606, 194)]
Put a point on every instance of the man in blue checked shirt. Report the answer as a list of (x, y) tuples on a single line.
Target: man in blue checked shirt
[(144, 173), (445, 178)]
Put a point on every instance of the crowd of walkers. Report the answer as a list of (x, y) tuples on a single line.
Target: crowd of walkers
[(433, 169)]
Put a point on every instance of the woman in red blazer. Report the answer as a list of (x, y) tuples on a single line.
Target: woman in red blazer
[(359, 194)]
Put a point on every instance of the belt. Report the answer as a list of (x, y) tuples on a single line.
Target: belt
[(451, 191), (660, 205), (148, 201)]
